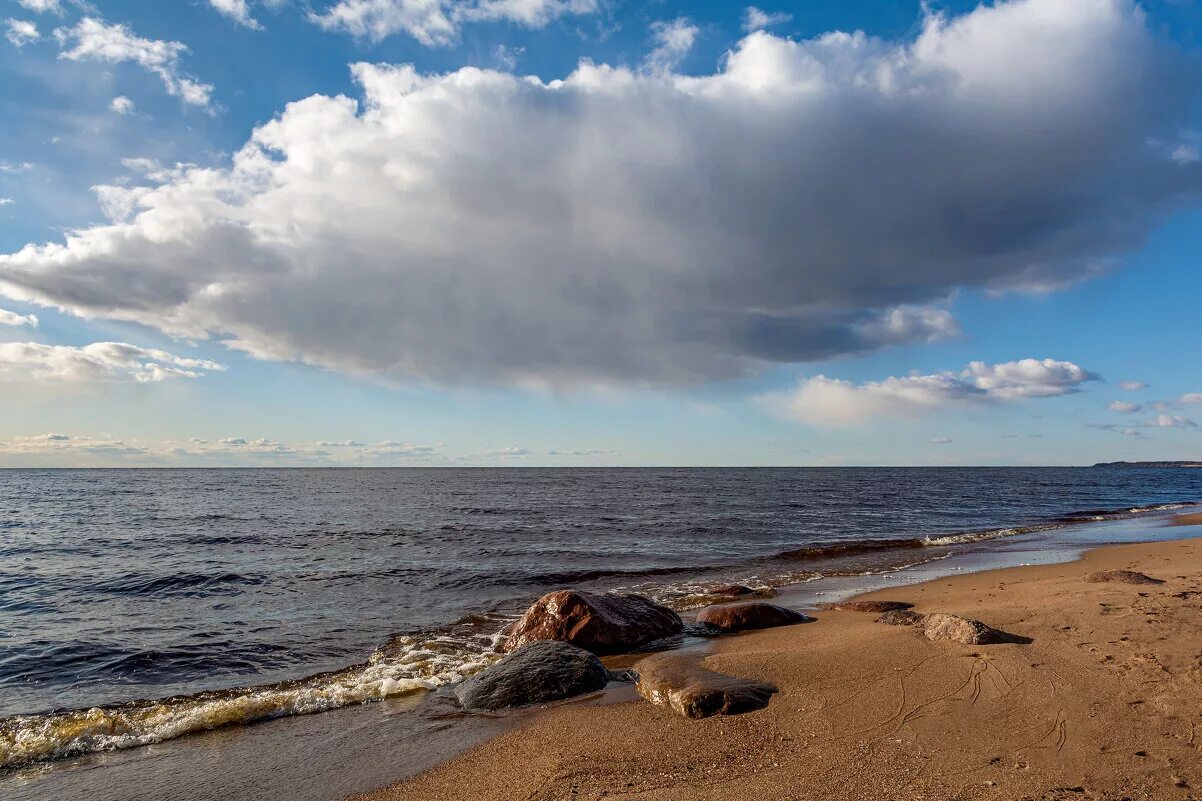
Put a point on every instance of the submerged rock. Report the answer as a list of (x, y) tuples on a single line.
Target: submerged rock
[(603, 623), (740, 591), (684, 686), (749, 615), (1121, 577), (536, 673), (870, 606)]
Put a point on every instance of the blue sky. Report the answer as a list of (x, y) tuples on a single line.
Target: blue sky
[(592, 232)]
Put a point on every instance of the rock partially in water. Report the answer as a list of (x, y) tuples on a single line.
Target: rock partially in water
[(603, 623), (740, 591), (876, 607), (537, 673), (749, 615), (901, 617), (684, 686), (1121, 577)]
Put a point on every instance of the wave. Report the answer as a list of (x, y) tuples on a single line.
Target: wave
[(407, 664)]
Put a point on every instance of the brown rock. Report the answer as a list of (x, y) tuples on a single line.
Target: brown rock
[(603, 623), (901, 617), (749, 615), (1121, 577), (953, 628), (870, 606), (684, 686)]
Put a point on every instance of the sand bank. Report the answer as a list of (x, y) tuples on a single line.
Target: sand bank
[(1104, 703)]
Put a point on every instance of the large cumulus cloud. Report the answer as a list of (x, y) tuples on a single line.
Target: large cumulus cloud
[(811, 198)]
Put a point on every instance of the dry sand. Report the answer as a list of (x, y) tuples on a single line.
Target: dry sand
[(1103, 704)]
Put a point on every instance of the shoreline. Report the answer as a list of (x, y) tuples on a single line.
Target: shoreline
[(943, 705), (402, 739)]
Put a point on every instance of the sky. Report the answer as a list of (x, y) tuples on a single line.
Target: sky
[(599, 232)]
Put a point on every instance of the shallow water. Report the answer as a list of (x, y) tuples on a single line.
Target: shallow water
[(120, 585)]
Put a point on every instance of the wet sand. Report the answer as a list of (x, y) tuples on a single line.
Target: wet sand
[(1104, 703)]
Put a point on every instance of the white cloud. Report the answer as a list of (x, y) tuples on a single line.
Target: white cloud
[(438, 22), (1171, 421), (940, 441), (42, 6), (507, 57), (828, 401), (99, 361), (673, 41), (94, 40), (626, 226), (1133, 386), (237, 10), (15, 167), (1185, 154), (1124, 407), (12, 318), (122, 105), (6, 201), (21, 32), (1191, 398), (756, 20)]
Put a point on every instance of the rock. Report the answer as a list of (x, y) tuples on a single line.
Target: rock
[(901, 617), (603, 623), (534, 674), (735, 591), (749, 615), (1121, 577), (684, 686), (870, 606), (953, 628)]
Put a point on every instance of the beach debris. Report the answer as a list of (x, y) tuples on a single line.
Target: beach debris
[(870, 606), (681, 683), (603, 623), (951, 628), (749, 615), (536, 673), (1121, 577)]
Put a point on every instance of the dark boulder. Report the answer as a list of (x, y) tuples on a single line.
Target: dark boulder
[(681, 684), (749, 615), (534, 674), (603, 623)]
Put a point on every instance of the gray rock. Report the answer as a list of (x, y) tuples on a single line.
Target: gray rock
[(536, 673)]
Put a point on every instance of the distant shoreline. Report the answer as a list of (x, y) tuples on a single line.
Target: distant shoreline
[(1148, 464)]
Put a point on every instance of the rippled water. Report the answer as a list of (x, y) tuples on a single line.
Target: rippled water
[(259, 593)]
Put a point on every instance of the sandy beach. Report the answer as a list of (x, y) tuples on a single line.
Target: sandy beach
[(1103, 703)]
